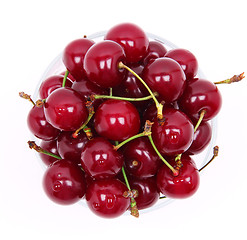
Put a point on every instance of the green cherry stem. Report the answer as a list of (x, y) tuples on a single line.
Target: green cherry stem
[(202, 114), (38, 149), (159, 106), (65, 78), (235, 78), (83, 126)]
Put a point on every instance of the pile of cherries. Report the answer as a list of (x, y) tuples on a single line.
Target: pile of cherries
[(119, 126)]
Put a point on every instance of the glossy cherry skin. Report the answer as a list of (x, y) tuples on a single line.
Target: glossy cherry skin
[(39, 126), (132, 38), (147, 189), (201, 139), (50, 146), (70, 148), (186, 59), (117, 120), (73, 56), (99, 160), (64, 182), (175, 135), (199, 95), (182, 186), (65, 109), (155, 50), (105, 198), (140, 158), (52, 83), (101, 64), (165, 76)]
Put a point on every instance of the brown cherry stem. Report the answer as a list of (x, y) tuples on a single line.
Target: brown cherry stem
[(159, 106), (38, 149), (235, 78), (26, 96), (215, 154)]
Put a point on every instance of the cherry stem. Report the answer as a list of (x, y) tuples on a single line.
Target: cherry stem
[(26, 96), (162, 197), (110, 93), (88, 132), (202, 114), (159, 106), (38, 149), (174, 171), (235, 78), (215, 154), (83, 126), (65, 78), (124, 98)]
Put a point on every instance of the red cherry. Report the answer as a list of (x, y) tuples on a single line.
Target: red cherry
[(199, 95), (65, 109), (165, 76), (50, 146), (186, 59), (101, 64), (39, 126), (64, 182), (182, 186), (117, 120), (175, 135), (73, 56), (132, 38), (140, 158), (100, 160), (70, 148), (105, 198), (52, 83)]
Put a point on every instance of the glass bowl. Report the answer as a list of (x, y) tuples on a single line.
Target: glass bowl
[(57, 67)]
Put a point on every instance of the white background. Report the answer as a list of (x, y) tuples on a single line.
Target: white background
[(34, 32)]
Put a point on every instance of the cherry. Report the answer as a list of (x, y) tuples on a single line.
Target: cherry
[(147, 189), (73, 56), (117, 120), (100, 160), (64, 182), (52, 83), (140, 158), (69, 76), (186, 59), (105, 198), (39, 126), (69, 147), (199, 95), (182, 186), (50, 146), (65, 109), (202, 137), (175, 135), (165, 76), (155, 50), (101, 64), (132, 38)]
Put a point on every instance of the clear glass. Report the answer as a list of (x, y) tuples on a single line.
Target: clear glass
[(57, 66)]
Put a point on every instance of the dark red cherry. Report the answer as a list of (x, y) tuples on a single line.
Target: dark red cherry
[(50, 146), (165, 76), (140, 158), (65, 109), (182, 186), (70, 148), (132, 38), (199, 95), (117, 120), (155, 50), (105, 198), (186, 59), (175, 135), (52, 83), (64, 182), (73, 56), (202, 137), (101, 64), (39, 126), (147, 189), (100, 160)]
